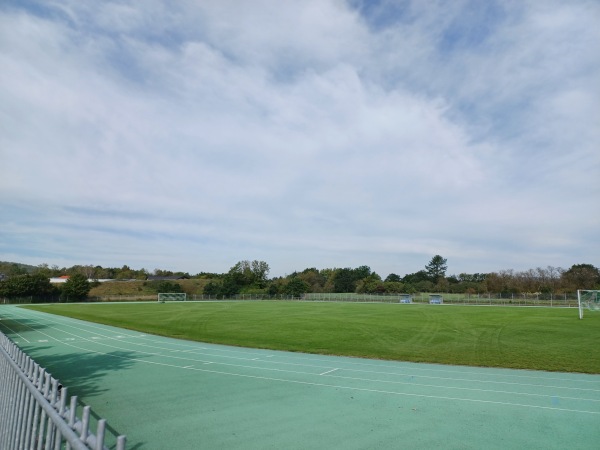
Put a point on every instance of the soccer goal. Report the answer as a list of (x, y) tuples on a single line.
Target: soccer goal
[(588, 299), (172, 297)]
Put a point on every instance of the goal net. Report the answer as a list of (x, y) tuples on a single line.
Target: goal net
[(172, 297), (588, 299)]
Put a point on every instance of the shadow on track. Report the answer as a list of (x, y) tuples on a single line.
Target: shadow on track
[(10, 326), (81, 372)]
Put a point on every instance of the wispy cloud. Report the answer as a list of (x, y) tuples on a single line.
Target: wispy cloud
[(320, 133)]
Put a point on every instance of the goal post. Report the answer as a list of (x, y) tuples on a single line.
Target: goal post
[(172, 297), (589, 299)]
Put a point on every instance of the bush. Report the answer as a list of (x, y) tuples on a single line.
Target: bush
[(27, 286), (77, 287)]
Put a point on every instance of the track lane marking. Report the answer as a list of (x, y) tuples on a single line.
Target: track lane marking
[(308, 383)]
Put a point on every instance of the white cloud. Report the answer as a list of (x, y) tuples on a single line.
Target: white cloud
[(304, 134)]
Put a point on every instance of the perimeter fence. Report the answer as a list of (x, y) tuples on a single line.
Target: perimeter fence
[(562, 300), (566, 300), (35, 409)]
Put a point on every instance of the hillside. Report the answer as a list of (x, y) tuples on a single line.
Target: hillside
[(144, 288), (8, 267)]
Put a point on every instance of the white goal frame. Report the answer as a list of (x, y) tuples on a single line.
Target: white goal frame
[(172, 297), (582, 302)]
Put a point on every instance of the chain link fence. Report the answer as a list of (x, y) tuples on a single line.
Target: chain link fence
[(564, 300)]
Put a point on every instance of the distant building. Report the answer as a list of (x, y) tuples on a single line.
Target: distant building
[(61, 279), (3, 277)]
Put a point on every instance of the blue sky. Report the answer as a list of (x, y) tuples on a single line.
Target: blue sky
[(326, 133)]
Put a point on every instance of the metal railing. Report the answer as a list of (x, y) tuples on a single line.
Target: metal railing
[(34, 413)]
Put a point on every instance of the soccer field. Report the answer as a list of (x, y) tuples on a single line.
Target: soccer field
[(526, 338)]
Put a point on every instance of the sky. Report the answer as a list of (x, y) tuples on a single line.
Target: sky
[(191, 135)]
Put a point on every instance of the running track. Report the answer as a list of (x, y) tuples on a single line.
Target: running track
[(171, 394)]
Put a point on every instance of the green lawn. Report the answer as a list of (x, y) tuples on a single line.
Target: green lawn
[(529, 338)]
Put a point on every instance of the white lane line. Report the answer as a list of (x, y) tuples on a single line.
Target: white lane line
[(25, 339), (371, 372), (329, 371)]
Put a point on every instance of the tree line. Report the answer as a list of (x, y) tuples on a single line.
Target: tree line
[(38, 287), (252, 277)]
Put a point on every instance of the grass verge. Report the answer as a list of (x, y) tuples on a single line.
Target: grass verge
[(550, 339)]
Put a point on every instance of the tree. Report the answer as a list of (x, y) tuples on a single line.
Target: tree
[(36, 285), (370, 285), (393, 278), (436, 268), (314, 278), (362, 272), (344, 280), (393, 286), (241, 274), (15, 269), (212, 288), (230, 286), (581, 276), (44, 270), (296, 287), (125, 273), (162, 273), (76, 287), (260, 270), (414, 278)]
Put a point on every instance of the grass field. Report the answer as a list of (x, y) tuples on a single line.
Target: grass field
[(551, 339)]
